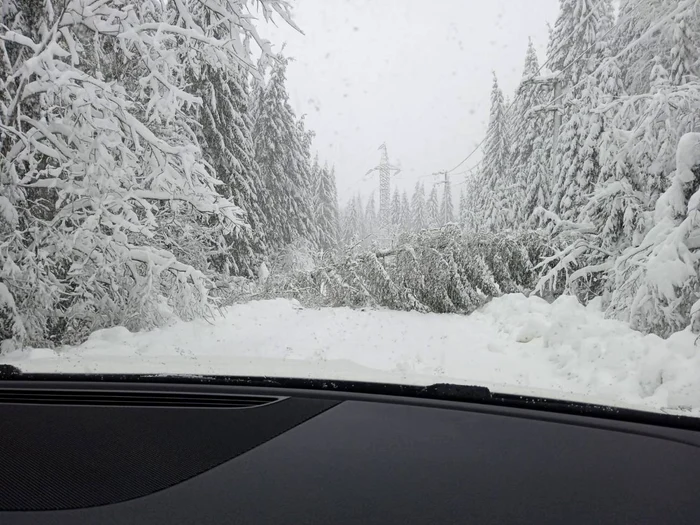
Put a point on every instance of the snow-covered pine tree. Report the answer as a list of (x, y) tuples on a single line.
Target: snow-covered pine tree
[(618, 203), (652, 28), (433, 209), (418, 209), (494, 172), (684, 53), (630, 25), (405, 215), (537, 191), (325, 206), (396, 210), (352, 219), (530, 148), (333, 196), (225, 136), (463, 208), (612, 218), (371, 219), (304, 143), (361, 226), (101, 152), (282, 152), (578, 28), (473, 210), (446, 204), (577, 148), (316, 177), (578, 162)]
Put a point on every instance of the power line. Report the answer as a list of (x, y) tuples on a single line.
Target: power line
[(468, 171)]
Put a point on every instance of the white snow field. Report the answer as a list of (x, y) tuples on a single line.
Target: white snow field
[(513, 344)]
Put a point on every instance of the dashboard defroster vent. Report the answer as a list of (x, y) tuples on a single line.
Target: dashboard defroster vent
[(40, 396)]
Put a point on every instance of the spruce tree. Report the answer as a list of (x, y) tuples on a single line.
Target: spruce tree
[(433, 209), (396, 210), (684, 55), (282, 153), (463, 209), (537, 191), (657, 288), (494, 174), (578, 28), (371, 219), (578, 162), (530, 148), (475, 193), (226, 140), (325, 206), (447, 206), (351, 223), (652, 28), (405, 214), (577, 157), (304, 165), (418, 211)]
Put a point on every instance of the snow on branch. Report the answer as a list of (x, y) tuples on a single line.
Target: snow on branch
[(558, 224)]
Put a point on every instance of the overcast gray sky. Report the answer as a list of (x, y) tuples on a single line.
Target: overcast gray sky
[(414, 74)]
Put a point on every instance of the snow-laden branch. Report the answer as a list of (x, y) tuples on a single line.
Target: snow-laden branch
[(17, 38), (207, 206), (560, 224), (591, 269)]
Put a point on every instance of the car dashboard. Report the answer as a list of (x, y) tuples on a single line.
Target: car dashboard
[(86, 450)]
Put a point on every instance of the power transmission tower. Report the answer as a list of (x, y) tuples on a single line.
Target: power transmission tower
[(386, 170)]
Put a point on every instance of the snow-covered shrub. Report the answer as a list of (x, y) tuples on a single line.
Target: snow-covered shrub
[(290, 271)]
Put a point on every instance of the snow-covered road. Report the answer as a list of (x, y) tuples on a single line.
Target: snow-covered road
[(516, 341)]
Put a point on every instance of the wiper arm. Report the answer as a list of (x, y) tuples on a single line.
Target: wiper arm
[(456, 392)]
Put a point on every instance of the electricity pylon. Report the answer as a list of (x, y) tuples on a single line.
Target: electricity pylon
[(386, 171)]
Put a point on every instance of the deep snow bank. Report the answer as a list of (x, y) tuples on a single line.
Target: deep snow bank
[(603, 357), (517, 341)]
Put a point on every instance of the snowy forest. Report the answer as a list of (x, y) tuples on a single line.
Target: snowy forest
[(152, 168), (587, 182)]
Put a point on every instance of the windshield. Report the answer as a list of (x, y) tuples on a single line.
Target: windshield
[(492, 193)]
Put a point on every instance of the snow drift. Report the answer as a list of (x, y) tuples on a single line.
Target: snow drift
[(514, 343)]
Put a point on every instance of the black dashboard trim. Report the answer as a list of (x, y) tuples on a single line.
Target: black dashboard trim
[(474, 395)]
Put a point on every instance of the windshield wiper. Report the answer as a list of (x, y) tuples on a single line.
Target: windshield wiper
[(450, 392)]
